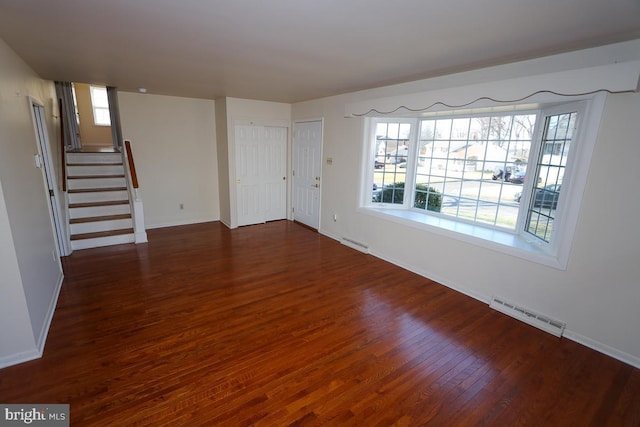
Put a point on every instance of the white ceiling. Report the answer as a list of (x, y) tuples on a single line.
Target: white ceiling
[(294, 50)]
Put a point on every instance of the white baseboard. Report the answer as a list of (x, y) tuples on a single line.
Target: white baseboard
[(49, 317), (588, 342), (434, 277), (37, 352), (226, 224), (181, 222), (140, 237), (603, 348), (16, 359)]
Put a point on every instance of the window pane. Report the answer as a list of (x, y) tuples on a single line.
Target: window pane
[(477, 164), (540, 225), (101, 117), (100, 104), (443, 129), (390, 163), (550, 173), (99, 97)]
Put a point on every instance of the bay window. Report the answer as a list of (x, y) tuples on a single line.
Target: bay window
[(503, 177)]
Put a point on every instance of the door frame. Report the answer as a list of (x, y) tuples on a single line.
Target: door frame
[(320, 163), (43, 160)]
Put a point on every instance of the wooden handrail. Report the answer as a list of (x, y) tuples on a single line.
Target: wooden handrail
[(64, 149), (132, 166)]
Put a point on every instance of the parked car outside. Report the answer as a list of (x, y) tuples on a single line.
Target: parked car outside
[(519, 176), (377, 193), (545, 197), (502, 174), (398, 156)]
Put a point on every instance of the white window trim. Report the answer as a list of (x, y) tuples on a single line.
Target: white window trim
[(530, 248), (94, 108), (411, 159)]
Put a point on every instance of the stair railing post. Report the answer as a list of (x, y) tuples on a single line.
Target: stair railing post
[(133, 188)]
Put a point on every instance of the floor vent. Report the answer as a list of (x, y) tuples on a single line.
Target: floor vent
[(540, 321), (355, 245)]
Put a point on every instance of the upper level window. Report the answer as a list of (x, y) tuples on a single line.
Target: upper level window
[(504, 172), (100, 105)]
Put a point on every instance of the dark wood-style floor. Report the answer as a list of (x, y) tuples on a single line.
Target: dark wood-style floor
[(276, 325)]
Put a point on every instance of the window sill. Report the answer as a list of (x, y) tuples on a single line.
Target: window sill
[(500, 241)]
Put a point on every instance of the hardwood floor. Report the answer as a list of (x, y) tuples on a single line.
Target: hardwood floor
[(276, 325)]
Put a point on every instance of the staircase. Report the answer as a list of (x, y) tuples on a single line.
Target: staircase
[(99, 206)]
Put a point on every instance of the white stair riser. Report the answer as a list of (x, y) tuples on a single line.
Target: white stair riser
[(100, 196), (96, 165), (75, 158), (95, 170), (76, 184), (99, 211), (102, 241), (92, 227)]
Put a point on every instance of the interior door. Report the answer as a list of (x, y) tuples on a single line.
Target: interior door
[(44, 161), (307, 165), (261, 173), (249, 175), (274, 149)]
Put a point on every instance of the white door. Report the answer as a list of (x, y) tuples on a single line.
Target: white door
[(44, 161), (307, 165), (275, 173), (261, 162)]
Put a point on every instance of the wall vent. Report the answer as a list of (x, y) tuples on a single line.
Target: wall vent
[(540, 321), (355, 245)]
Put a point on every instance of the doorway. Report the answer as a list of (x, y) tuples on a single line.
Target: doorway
[(94, 119), (307, 168), (90, 117), (44, 161)]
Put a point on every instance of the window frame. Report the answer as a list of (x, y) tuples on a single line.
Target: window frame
[(95, 108), (527, 111), (517, 243), (413, 122), (578, 107)]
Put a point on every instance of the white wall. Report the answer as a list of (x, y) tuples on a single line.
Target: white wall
[(27, 238), (597, 296), (16, 336), (173, 141), (223, 161)]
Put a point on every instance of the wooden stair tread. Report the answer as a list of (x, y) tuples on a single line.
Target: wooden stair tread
[(96, 164), (96, 190), (94, 154), (94, 204), (99, 234), (94, 176), (99, 218)]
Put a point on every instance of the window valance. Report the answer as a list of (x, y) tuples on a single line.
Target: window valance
[(612, 78)]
